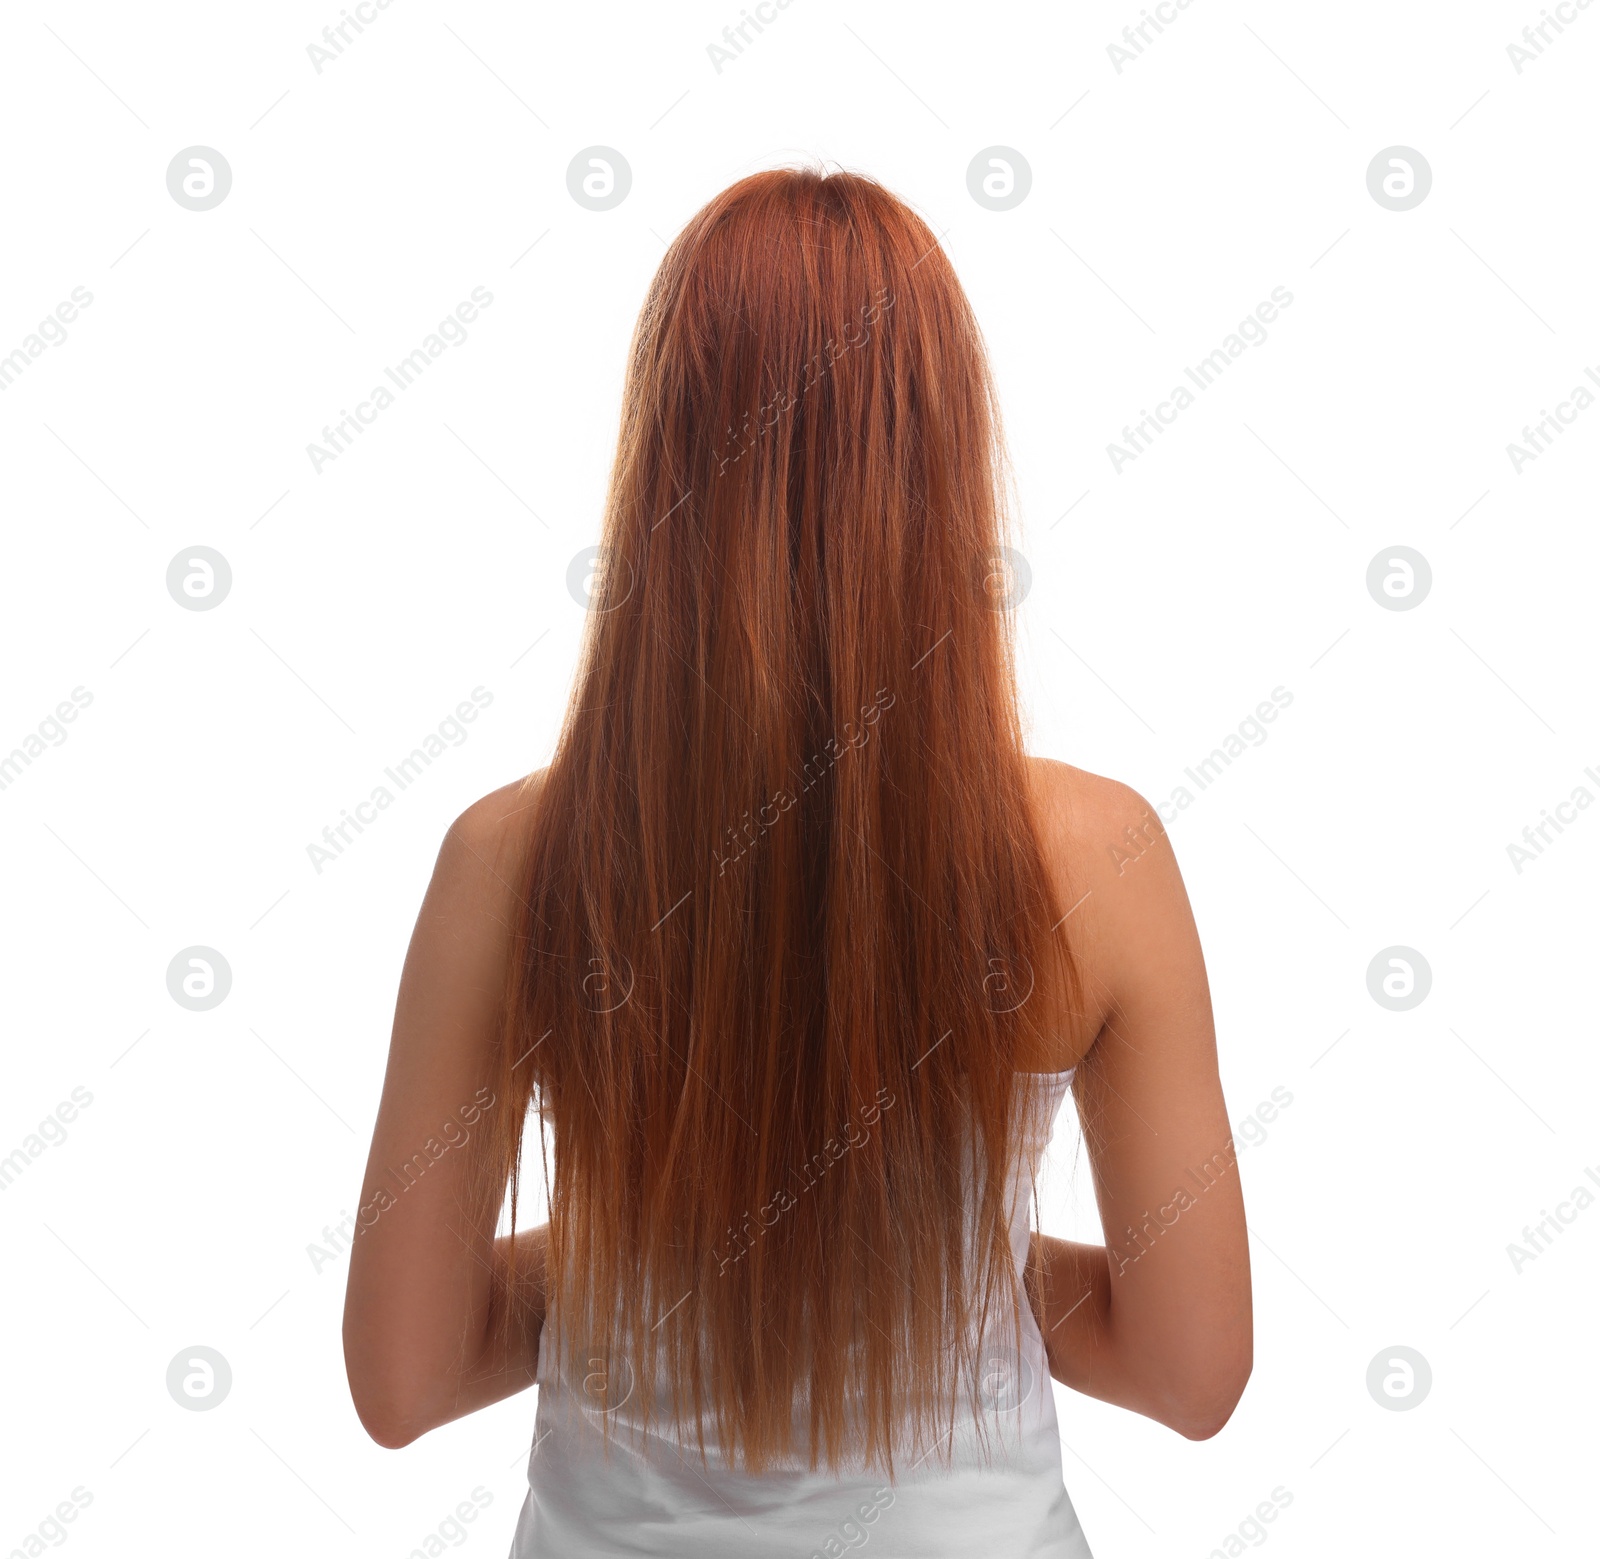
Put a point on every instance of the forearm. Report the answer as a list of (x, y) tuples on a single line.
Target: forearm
[(1094, 1344), (1069, 1287), (429, 1358), (506, 1359), (1071, 1292)]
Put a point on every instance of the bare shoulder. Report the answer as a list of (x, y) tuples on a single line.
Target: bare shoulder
[(499, 821), (479, 860), (1115, 874), (1092, 827)]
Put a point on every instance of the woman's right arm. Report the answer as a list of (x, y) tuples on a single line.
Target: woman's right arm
[(1157, 1320), (423, 1344)]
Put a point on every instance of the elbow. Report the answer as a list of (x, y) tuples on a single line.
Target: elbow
[(1205, 1422), (391, 1433), (1203, 1413), (390, 1396), (390, 1408), (387, 1424)]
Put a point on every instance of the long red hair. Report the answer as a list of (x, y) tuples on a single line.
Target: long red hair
[(787, 932)]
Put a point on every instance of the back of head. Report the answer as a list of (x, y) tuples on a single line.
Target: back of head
[(787, 924)]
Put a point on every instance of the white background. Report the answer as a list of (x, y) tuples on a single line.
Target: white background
[(1168, 599)]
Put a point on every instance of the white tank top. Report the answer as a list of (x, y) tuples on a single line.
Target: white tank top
[(653, 1494)]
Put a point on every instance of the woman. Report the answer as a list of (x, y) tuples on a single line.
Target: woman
[(796, 954)]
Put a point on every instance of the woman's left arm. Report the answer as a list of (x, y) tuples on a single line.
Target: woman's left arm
[(420, 1346)]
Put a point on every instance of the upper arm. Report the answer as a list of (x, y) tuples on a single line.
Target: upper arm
[(1150, 1097), (419, 1266)]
